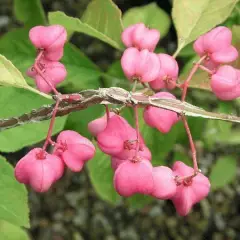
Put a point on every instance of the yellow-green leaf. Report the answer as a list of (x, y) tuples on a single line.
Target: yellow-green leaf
[(13, 197), (194, 18), (102, 20), (10, 76), (12, 232)]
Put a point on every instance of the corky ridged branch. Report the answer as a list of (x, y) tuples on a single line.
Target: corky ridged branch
[(113, 95)]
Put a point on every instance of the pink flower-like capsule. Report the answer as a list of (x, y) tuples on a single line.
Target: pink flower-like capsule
[(168, 73), (74, 149), (51, 39), (39, 169), (141, 37), (225, 83), (116, 162), (134, 177), (98, 125), (164, 184), (118, 139), (216, 44), (189, 192), (140, 65), (160, 118), (54, 72)]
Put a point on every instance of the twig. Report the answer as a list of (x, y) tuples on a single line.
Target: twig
[(111, 95)]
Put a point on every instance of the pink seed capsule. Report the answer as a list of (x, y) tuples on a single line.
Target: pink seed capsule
[(51, 39), (74, 149), (140, 65), (134, 177), (168, 73), (140, 37), (164, 183), (225, 83), (98, 125), (216, 45), (160, 118), (118, 139), (189, 192), (54, 72), (39, 169)]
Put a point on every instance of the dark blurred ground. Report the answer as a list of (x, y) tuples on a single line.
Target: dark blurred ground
[(73, 211)]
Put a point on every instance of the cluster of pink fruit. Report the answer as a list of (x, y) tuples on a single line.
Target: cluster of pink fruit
[(50, 42), (130, 157), (215, 48)]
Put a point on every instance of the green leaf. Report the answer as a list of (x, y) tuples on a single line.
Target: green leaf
[(102, 20), (187, 51), (10, 76), (196, 126), (194, 18), (15, 102), (78, 121), (151, 15), (183, 157), (12, 232), (199, 80), (223, 172), (139, 201), (13, 197), (221, 129), (101, 176), (82, 72), (236, 43), (115, 77), (30, 12)]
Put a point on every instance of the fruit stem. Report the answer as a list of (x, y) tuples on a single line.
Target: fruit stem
[(192, 72), (137, 130), (50, 129), (191, 142)]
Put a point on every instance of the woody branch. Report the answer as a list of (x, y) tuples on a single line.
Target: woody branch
[(112, 95)]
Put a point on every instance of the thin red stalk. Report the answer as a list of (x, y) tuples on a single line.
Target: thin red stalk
[(137, 129), (206, 69), (192, 72), (49, 134), (107, 112), (192, 146)]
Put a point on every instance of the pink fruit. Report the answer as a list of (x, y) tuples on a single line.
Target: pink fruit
[(164, 183), (74, 149), (168, 73), (53, 72), (140, 37), (138, 65), (51, 39), (159, 118), (225, 83), (216, 44), (189, 192), (134, 177), (39, 169), (118, 139), (98, 125)]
